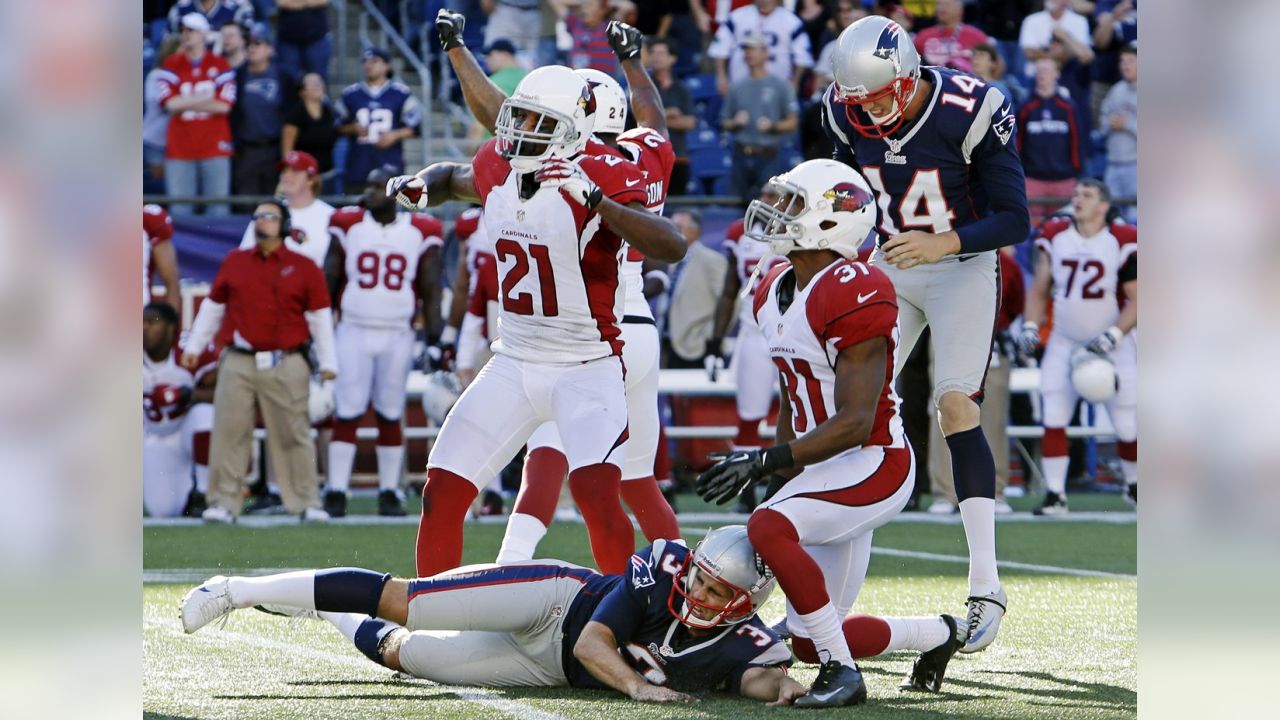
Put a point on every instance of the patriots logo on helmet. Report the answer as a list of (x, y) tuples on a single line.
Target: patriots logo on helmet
[(848, 197), (587, 101), (1004, 127), (887, 45)]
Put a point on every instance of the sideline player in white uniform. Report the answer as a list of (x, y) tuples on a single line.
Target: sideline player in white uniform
[(158, 255), (937, 146), (1090, 269), (842, 465), (389, 261), (648, 148), (177, 417), (558, 218)]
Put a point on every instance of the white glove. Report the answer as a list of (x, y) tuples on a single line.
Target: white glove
[(572, 179), (713, 358), (410, 191), (1106, 342)]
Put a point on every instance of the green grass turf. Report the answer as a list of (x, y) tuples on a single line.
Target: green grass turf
[(1067, 649)]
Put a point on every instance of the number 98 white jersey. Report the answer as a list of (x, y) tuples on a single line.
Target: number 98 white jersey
[(382, 264)]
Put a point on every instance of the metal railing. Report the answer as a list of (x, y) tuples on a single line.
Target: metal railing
[(396, 40), (340, 47)]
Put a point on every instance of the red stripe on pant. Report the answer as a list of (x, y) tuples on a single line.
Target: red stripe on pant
[(879, 486)]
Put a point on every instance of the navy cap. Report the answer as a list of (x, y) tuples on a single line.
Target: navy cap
[(377, 52), (262, 32), (501, 45)]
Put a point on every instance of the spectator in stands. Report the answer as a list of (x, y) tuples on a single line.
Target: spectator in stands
[(659, 55), (155, 120), (305, 43), (1116, 27), (696, 284), (198, 90), (311, 126), (762, 111), (788, 53), (995, 399), (278, 304), (900, 15), (687, 28), (1120, 118), (988, 65), (258, 117), (813, 15), (380, 113), (519, 21), (216, 13), (299, 185), (846, 13), (234, 45), (505, 71), (1002, 21), (1056, 22), (1049, 143), (590, 44), (950, 42)]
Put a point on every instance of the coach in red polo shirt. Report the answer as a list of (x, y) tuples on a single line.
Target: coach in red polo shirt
[(197, 89), (278, 304)]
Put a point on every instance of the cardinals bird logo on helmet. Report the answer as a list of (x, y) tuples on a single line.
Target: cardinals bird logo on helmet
[(847, 197)]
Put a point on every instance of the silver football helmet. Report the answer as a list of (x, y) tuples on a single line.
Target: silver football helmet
[(874, 58), (821, 205), (565, 112), (611, 101), (726, 555)]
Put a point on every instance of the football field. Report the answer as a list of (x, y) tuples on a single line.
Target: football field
[(1067, 649)]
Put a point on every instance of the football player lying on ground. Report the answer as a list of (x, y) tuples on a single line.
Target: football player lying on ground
[(677, 622)]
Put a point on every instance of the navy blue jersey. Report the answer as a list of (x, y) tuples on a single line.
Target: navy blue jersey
[(223, 12), (390, 107), (654, 642), (955, 167)]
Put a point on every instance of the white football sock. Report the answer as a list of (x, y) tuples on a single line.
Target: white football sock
[(979, 518), (342, 456), (524, 532), (390, 462), (823, 628), (295, 589), (202, 479), (1055, 473), (1130, 469), (918, 633), (347, 623)]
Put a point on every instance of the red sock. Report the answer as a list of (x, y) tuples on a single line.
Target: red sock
[(662, 461), (652, 511), (200, 447), (800, 577), (344, 430), (390, 433), (1128, 451), (1054, 443), (613, 539), (544, 471), (445, 500), (866, 635), (748, 434)]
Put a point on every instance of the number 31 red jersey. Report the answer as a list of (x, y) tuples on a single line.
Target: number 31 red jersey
[(847, 303)]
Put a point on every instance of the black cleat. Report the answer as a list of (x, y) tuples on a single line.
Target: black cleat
[(335, 503), (196, 505), (1054, 505), (1131, 495), (269, 504), (837, 685), (928, 670), (389, 504)]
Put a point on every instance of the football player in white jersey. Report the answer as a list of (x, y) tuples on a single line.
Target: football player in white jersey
[(558, 217), (649, 149), (389, 261), (177, 417), (841, 465), (158, 255), (1089, 267)]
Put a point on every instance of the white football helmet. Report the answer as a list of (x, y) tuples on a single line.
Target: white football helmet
[(725, 554), (1093, 376), (442, 390), (875, 58), (611, 101), (822, 205), (320, 401), (565, 112)]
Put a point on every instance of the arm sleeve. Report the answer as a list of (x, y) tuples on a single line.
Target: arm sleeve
[(320, 324), (990, 148), (206, 324), (470, 340)]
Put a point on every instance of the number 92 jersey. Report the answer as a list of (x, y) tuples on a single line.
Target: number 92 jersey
[(954, 165), (635, 607)]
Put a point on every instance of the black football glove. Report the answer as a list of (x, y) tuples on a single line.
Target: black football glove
[(442, 355), (624, 39), (735, 470), (449, 25)]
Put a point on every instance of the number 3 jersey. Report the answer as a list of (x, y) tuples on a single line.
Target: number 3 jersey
[(847, 303), (382, 264), (637, 606), (949, 169), (1088, 275), (560, 292)]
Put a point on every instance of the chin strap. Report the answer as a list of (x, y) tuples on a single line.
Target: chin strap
[(755, 273)]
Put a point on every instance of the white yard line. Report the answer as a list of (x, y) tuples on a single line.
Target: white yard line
[(169, 626)]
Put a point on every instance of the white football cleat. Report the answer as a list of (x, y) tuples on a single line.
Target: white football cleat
[(1003, 507), (942, 506), (206, 603), (215, 515), (985, 614), (314, 515)]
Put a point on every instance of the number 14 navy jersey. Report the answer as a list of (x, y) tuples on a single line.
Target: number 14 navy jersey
[(955, 167)]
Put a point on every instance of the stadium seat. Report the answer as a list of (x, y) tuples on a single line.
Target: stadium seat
[(703, 137), (702, 87)]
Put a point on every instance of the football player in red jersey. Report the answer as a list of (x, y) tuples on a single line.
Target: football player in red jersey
[(558, 357), (842, 465), (159, 255)]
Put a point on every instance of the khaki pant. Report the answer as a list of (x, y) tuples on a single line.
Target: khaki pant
[(281, 394), (995, 425)]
